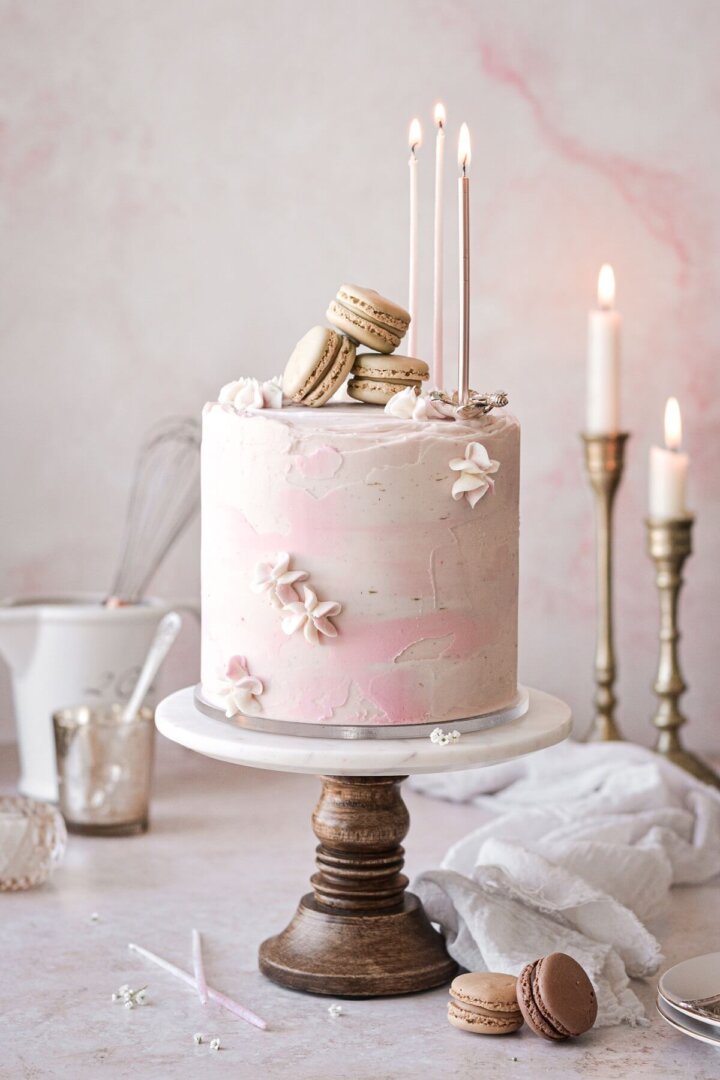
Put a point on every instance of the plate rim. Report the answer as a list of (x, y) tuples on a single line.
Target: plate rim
[(711, 1021), (699, 1035)]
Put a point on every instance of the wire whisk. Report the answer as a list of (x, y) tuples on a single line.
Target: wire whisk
[(164, 499)]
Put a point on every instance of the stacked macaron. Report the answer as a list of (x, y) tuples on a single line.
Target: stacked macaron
[(368, 318), (319, 365), (377, 378), (323, 358)]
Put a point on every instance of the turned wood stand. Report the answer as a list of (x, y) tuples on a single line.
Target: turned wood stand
[(359, 933)]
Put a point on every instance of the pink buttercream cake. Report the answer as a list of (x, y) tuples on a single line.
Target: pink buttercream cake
[(358, 568)]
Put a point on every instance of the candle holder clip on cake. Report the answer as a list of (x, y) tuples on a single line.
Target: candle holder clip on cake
[(360, 593)]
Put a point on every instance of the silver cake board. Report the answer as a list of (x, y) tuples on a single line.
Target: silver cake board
[(266, 725)]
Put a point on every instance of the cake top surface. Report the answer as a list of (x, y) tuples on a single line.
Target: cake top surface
[(356, 418)]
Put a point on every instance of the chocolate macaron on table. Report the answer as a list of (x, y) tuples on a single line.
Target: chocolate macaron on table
[(323, 358), (556, 997), (553, 995)]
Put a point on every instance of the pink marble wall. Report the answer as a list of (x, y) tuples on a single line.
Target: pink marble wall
[(184, 184)]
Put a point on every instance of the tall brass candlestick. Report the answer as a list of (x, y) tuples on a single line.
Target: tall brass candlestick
[(669, 544), (604, 464)]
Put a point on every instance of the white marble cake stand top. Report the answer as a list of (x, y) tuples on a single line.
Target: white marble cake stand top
[(547, 721)]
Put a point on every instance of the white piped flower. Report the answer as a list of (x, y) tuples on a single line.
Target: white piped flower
[(402, 404), (242, 394), (475, 473), (272, 578), (239, 689), (407, 404), (335, 1010), (246, 393), (311, 615), (272, 393)]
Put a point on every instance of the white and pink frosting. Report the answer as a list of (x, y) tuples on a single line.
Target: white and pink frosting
[(343, 564)]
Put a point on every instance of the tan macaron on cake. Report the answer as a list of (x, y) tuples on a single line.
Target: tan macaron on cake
[(323, 359)]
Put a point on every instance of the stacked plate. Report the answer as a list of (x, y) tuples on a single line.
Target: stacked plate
[(689, 998)]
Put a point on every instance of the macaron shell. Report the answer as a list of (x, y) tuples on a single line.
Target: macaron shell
[(309, 361), (490, 991), (376, 307), (528, 1006), (335, 377), (564, 994), (375, 392), (362, 330), (478, 1024), (379, 366)]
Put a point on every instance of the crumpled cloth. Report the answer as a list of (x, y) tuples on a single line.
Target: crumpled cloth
[(583, 846)]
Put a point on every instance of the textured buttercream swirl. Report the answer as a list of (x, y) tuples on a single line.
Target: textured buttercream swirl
[(247, 393)]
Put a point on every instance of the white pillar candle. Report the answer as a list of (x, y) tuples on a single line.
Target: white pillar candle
[(464, 264), (603, 366), (669, 469), (437, 373), (415, 141)]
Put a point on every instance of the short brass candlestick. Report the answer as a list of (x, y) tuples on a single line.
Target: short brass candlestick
[(669, 544), (604, 456)]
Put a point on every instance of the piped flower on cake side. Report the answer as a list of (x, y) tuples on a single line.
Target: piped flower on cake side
[(312, 616), (239, 689), (475, 470), (277, 580)]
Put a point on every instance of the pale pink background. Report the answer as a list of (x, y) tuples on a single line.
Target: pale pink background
[(184, 184)]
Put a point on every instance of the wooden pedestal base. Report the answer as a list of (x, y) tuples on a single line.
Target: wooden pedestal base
[(359, 933)]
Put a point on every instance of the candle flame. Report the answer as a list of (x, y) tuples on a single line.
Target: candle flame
[(464, 155), (439, 115), (673, 424), (606, 286), (415, 136)]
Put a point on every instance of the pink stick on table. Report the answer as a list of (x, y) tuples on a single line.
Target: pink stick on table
[(214, 995)]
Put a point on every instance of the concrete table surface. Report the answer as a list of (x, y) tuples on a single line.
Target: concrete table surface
[(230, 852)]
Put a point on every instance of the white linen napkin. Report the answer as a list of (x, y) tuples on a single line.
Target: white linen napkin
[(584, 843)]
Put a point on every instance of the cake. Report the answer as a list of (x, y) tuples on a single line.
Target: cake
[(359, 565)]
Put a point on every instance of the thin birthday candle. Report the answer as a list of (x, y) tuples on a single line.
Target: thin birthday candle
[(415, 141), (199, 968), (464, 264), (438, 376), (214, 995)]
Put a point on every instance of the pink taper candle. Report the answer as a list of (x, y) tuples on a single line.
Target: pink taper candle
[(464, 264), (415, 141), (437, 373)]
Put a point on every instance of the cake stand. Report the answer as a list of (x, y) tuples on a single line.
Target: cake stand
[(359, 933)]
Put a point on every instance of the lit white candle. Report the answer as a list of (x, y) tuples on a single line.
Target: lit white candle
[(415, 141), (437, 374), (603, 368), (669, 469), (464, 263)]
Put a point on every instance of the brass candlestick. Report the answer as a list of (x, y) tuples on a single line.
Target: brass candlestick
[(604, 464), (669, 544)]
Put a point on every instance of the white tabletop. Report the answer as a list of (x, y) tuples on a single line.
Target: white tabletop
[(230, 851), (547, 721)]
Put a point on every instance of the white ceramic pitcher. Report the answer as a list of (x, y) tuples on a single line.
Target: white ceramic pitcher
[(68, 650)]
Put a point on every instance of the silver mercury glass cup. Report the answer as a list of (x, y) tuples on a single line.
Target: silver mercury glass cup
[(104, 766)]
